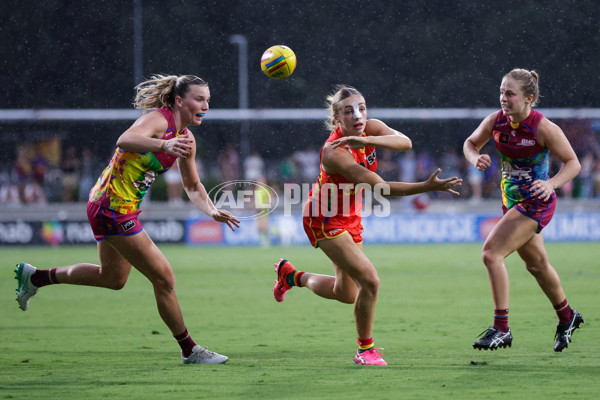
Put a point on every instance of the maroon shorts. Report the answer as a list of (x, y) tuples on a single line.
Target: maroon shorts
[(106, 222), (536, 209)]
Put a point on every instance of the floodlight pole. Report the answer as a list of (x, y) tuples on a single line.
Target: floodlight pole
[(242, 43), (138, 43)]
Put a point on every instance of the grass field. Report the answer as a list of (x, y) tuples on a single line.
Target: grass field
[(81, 342)]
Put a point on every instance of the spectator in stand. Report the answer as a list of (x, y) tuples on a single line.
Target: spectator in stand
[(70, 166), (424, 164), (408, 166), (22, 168), (90, 168), (33, 193), (388, 170), (566, 190), (262, 198), (450, 161), (288, 170), (38, 169), (230, 163), (596, 177), (475, 179), (308, 162), (254, 166), (30, 169), (586, 175), (174, 186), (9, 191)]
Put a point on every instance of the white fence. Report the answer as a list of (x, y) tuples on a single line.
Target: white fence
[(280, 114)]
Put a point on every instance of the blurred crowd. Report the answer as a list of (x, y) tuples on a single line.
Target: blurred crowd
[(38, 175), (63, 172)]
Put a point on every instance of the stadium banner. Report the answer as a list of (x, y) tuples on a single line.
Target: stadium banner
[(397, 228), (76, 232)]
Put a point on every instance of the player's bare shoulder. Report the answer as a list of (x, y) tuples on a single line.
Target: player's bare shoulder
[(375, 127), (154, 123), (548, 132)]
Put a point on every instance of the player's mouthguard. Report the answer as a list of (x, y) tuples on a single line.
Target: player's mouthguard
[(200, 114)]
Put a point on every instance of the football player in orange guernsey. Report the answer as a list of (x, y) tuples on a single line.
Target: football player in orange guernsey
[(332, 217)]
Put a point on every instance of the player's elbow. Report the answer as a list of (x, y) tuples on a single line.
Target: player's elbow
[(194, 191), (577, 166), (571, 169), (126, 143), (404, 144), (191, 185), (121, 143)]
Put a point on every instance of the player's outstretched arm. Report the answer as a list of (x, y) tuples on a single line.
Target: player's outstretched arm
[(196, 192), (336, 160), (432, 184)]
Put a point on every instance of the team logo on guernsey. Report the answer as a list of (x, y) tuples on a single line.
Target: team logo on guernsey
[(500, 137), (371, 157)]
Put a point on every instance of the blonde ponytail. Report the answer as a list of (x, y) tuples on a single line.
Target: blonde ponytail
[(160, 90)]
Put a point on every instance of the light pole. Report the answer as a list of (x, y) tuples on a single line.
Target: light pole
[(138, 42), (242, 43)]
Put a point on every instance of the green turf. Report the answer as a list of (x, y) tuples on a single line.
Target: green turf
[(79, 342)]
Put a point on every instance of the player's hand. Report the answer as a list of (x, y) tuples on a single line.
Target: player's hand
[(541, 190), (443, 185), (179, 146), (483, 162), (351, 142), (227, 218)]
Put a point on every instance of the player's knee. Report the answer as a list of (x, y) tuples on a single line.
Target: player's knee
[(535, 268), (370, 284), (532, 269), (116, 283), (165, 282), (490, 258), (346, 296)]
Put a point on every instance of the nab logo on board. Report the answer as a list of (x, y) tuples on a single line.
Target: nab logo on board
[(204, 232)]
